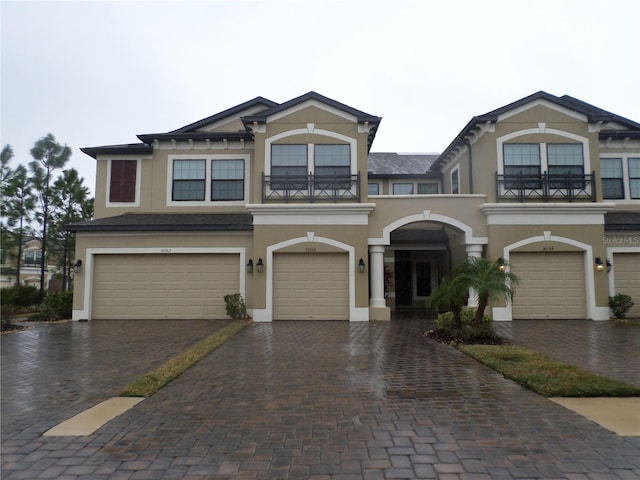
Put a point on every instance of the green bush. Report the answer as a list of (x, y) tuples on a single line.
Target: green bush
[(235, 307), (23, 296), (469, 332), (57, 306), (620, 305)]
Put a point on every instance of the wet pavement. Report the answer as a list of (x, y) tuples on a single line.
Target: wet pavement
[(289, 400)]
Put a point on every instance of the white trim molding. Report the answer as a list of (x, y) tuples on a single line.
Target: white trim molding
[(89, 260), (311, 213)]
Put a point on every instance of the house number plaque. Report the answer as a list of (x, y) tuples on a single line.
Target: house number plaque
[(165, 250)]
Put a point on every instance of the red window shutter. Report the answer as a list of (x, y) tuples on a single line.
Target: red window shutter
[(123, 181)]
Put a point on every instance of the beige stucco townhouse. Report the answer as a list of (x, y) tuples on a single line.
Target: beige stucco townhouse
[(286, 204)]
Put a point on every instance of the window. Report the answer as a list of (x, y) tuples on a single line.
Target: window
[(227, 180), (634, 177), (403, 188), (563, 160), (522, 163), (612, 178), (455, 181), (122, 184), (427, 188), (373, 189), (332, 166), (188, 180), (32, 257), (289, 167)]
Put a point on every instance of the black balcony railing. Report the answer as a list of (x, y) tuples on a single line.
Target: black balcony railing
[(546, 187), (310, 188)]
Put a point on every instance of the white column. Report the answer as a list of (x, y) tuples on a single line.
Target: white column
[(376, 270), (473, 250)]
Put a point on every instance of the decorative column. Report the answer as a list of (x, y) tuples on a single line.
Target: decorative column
[(475, 251), (378, 309)]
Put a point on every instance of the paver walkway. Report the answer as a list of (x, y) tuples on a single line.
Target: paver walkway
[(325, 400)]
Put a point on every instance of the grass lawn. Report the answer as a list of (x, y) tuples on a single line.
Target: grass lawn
[(153, 381), (546, 376)]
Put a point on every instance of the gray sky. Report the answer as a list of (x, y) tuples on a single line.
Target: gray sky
[(98, 73)]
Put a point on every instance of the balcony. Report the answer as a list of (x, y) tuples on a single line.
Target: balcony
[(545, 187), (311, 188)]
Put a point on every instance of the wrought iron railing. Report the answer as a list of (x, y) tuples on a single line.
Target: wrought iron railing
[(546, 187), (311, 188)]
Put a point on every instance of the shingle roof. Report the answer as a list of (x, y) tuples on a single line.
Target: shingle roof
[(622, 221), (167, 222), (385, 164)]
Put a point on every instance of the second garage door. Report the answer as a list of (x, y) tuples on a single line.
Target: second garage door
[(172, 286), (627, 278), (551, 285), (311, 286)]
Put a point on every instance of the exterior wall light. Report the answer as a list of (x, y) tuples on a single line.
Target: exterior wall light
[(599, 264), (501, 266), (78, 266), (250, 266), (260, 265), (361, 266)]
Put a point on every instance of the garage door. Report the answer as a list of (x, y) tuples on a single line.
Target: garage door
[(627, 278), (311, 286), (163, 286), (551, 285)]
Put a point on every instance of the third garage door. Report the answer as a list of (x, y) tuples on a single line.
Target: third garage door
[(551, 285), (311, 286)]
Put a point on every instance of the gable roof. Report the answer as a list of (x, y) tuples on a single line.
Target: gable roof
[(594, 115)]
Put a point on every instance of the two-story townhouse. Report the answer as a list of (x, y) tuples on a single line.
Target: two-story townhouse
[(30, 262), (285, 204)]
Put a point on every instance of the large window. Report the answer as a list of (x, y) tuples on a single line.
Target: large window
[(522, 164), (332, 166), (289, 167), (122, 184), (227, 180), (189, 180), (612, 178), (634, 177), (32, 257), (563, 158)]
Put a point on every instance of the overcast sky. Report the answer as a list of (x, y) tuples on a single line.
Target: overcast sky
[(98, 73)]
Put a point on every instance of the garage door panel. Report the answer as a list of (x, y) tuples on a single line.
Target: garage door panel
[(311, 286), (627, 278), (163, 286), (551, 285)]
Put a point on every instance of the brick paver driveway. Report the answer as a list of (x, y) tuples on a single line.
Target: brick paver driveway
[(320, 400)]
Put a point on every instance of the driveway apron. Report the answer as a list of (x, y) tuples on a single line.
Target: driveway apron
[(323, 400)]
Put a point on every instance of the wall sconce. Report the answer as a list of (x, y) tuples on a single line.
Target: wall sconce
[(361, 266), (260, 265), (609, 266), (501, 266), (250, 266), (599, 264), (78, 266)]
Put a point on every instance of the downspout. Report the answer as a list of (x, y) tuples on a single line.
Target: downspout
[(468, 144)]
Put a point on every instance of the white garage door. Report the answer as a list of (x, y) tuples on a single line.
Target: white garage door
[(552, 285), (627, 278), (171, 286), (311, 286)]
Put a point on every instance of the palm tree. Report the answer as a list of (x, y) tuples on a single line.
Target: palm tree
[(489, 279), (451, 294)]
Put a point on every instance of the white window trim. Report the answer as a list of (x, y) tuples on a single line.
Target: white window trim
[(207, 180), (455, 170), (136, 202), (625, 176)]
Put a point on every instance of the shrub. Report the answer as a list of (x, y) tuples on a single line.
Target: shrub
[(235, 307), (57, 306), (620, 305), (470, 331), (23, 296)]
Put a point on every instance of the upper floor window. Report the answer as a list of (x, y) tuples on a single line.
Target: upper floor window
[(634, 177), (522, 159), (332, 162), (188, 180), (612, 178), (289, 164), (563, 158), (455, 181), (373, 189), (32, 257), (427, 188), (122, 182), (227, 180), (403, 188)]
